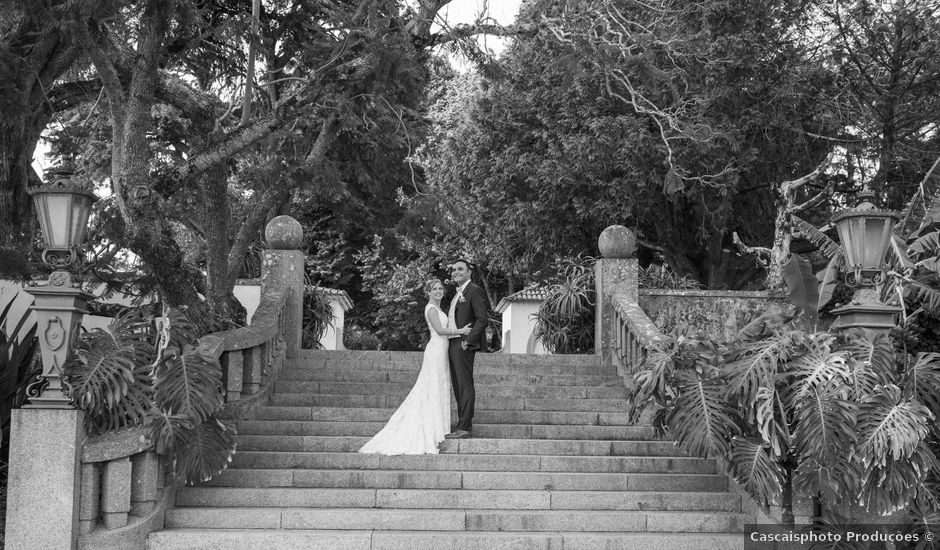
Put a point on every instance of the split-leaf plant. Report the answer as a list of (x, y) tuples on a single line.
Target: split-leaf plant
[(841, 417), (148, 370)]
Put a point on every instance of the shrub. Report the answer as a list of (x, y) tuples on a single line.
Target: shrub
[(147, 370), (663, 278), (361, 339), (317, 317), (565, 320)]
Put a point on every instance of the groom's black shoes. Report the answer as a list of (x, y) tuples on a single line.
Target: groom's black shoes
[(457, 434)]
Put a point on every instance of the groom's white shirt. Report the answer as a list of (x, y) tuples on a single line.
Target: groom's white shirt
[(453, 307)]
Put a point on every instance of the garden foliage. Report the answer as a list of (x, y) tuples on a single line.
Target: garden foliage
[(147, 370)]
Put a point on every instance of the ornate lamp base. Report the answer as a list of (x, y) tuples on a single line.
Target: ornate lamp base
[(59, 307), (873, 316)]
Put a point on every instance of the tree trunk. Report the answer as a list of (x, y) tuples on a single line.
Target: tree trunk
[(220, 280)]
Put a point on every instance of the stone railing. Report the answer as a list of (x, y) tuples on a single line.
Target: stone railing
[(634, 335), (251, 356), (122, 495)]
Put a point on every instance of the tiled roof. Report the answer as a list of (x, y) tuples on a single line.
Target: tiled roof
[(530, 294), (340, 295)]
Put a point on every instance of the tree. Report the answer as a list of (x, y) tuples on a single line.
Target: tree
[(169, 73), (558, 149), (887, 59), (35, 51)]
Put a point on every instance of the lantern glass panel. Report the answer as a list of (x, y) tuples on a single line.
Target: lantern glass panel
[(58, 226), (874, 243), (849, 244), (81, 205)]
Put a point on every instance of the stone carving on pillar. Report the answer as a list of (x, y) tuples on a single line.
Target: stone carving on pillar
[(284, 265), (59, 307), (614, 273)]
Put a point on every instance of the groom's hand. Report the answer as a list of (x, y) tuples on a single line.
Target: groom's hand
[(463, 345)]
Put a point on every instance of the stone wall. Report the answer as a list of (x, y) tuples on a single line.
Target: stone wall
[(707, 314)]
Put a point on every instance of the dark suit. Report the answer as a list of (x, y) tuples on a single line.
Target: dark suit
[(471, 310)]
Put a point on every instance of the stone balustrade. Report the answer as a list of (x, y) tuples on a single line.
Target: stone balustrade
[(634, 335), (251, 356), (122, 496)]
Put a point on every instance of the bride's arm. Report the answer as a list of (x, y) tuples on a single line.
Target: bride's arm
[(440, 329)]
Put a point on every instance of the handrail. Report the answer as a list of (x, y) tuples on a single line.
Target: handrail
[(635, 335), (251, 356), (123, 496)]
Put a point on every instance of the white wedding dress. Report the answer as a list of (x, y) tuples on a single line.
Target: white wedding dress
[(420, 422)]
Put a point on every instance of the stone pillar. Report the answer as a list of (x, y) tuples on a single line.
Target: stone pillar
[(615, 273), (44, 478), (47, 434), (284, 264)]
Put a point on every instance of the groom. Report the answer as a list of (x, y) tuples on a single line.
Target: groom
[(467, 307)]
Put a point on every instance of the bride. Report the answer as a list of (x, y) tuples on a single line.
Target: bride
[(423, 418)]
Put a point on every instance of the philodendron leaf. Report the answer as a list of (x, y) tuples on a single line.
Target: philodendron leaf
[(753, 468), (802, 286), (701, 420), (206, 450)]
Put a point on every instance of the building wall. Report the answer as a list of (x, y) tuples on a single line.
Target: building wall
[(519, 323)]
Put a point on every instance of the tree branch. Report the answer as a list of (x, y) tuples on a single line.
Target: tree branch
[(459, 32)]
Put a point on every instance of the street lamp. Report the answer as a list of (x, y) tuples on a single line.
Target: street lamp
[(865, 233), (63, 205)]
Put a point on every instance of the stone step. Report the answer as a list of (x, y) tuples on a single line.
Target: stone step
[(393, 357), (371, 414), (484, 377), (455, 499), (467, 462), (482, 390), (482, 402), (500, 431), (279, 539), (417, 479), (406, 519), (327, 443)]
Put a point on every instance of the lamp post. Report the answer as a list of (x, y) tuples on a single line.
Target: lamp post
[(865, 232), (63, 206)]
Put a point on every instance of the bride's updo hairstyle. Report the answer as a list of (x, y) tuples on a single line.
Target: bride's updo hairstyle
[(430, 284)]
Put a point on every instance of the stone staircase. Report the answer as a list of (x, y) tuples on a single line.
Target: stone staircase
[(553, 464)]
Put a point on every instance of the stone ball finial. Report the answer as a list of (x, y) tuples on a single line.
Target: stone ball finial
[(284, 233), (617, 242)]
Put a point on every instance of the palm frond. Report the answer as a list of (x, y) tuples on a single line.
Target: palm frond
[(652, 378), (914, 213), (210, 446), (926, 246), (752, 467), (827, 246), (700, 420), (922, 380), (898, 255), (925, 291), (890, 427)]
